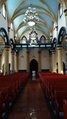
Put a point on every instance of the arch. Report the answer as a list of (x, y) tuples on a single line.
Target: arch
[(24, 38), (43, 38), (33, 66), (3, 33), (62, 33), (54, 42), (12, 43)]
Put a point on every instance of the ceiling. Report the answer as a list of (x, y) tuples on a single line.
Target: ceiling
[(46, 9)]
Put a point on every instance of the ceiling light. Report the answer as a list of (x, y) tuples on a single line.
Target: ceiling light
[(31, 17)]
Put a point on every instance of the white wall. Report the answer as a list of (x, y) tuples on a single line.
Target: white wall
[(61, 22), (22, 61), (3, 22), (45, 59), (33, 52)]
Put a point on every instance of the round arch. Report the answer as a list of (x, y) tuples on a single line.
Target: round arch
[(62, 33), (3, 33)]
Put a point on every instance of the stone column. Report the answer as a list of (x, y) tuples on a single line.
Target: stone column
[(39, 61), (60, 65), (16, 63), (50, 61), (53, 60), (0, 61), (12, 63), (6, 60), (27, 61)]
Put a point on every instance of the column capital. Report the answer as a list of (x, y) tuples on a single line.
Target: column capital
[(8, 29), (65, 12), (66, 36), (13, 52), (6, 47), (50, 54), (59, 46), (27, 52), (56, 28), (51, 36), (53, 51), (39, 51)]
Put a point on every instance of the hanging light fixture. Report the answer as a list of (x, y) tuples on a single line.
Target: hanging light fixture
[(31, 16)]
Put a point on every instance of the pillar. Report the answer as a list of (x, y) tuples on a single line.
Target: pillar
[(27, 61), (16, 63), (6, 60), (60, 65), (39, 61), (12, 62), (53, 60), (50, 61), (0, 61)]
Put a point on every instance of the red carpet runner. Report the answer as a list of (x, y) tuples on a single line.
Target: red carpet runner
[(31, 103)]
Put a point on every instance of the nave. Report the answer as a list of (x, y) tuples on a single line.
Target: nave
[(31, 103)]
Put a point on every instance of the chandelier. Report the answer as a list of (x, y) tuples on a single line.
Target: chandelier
[(33, 37), (31, 16)]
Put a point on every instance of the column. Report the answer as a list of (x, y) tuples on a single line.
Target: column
[(0, 61), (6, 60), (60, 65), (27, 61), (16, 58), (50, 61), (39, 61), (12, 63), (53, 60)]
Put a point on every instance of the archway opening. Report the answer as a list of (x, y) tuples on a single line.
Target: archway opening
[(33, 66)]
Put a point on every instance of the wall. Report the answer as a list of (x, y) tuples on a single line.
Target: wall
[(34, 52), (3, 21), (22, 61), (45, 59), (39, 34)]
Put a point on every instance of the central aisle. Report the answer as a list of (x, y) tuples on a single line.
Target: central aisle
[(31, 103)]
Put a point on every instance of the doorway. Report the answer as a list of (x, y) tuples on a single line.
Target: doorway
[(33, 66)]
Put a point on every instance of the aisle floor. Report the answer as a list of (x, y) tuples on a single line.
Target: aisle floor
[(31, 103)]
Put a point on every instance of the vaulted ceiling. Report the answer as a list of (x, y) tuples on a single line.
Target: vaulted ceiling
[(46, 9)]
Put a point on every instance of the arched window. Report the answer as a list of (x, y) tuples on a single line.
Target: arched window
[(43, 39), (11, 26), (60, 10), (4, 10), (24, 39)]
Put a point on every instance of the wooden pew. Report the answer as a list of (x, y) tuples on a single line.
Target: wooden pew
[(59, 96), (65, 108)]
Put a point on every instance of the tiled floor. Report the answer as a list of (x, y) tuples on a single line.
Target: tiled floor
[(31, 103)]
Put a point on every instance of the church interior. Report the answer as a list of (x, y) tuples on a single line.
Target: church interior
[(33, 59)]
